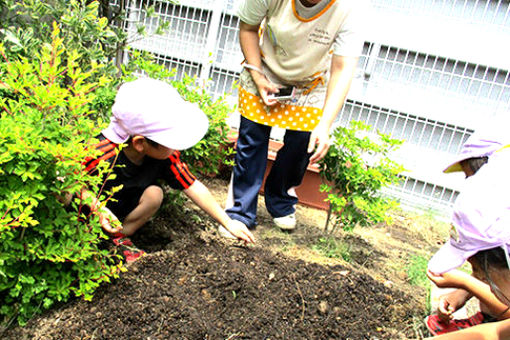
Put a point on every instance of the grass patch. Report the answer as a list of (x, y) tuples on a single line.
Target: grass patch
[(417, 271), (333, 248)]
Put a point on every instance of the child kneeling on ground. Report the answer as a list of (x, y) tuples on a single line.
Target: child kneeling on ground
[(154, 122), (480, 235)]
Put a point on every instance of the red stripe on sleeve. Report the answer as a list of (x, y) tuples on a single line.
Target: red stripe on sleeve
[(181, 171), (107, 147), (103, 142), (104, 146), (104, 157)]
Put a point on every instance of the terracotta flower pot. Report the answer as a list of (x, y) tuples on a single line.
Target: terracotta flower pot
[(308, 192)]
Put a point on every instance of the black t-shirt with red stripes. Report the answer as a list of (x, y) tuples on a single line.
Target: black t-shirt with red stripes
[(136, 178)]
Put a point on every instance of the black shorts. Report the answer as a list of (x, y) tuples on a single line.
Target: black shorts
[(125, 202)]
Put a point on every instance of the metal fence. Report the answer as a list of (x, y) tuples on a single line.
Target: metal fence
[(430, 72)]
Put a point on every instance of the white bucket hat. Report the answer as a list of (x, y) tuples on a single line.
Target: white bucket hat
[(155, 110)]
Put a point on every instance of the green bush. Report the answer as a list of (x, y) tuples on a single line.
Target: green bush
[(48, 252), (95, 28), (56, 91), (27, 26), (354, 170)]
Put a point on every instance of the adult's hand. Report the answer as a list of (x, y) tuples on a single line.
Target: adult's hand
[(265, 88), (239, 230), (319, 141)]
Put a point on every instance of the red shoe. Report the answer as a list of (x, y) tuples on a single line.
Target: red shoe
[(129, 250), (437, 326)]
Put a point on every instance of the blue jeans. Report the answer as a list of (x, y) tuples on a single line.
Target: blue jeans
[(287, 172)]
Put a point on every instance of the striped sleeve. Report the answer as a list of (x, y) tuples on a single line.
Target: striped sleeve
[(108, 151), (178, 175)]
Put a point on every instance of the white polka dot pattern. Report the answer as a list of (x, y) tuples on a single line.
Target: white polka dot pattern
[(282, 115)]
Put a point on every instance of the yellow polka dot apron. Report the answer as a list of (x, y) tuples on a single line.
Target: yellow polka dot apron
[(302, 113)]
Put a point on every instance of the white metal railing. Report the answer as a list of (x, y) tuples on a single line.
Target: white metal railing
[(430, 72)]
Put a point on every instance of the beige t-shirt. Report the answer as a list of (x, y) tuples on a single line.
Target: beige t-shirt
[(347, 43), (297, 44)]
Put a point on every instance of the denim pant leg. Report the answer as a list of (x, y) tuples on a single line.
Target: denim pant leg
[(287, 172), (248, 172)]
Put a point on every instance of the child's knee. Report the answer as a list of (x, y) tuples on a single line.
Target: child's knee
[(153, 196)]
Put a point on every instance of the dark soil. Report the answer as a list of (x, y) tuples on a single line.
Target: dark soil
[(193, 285)]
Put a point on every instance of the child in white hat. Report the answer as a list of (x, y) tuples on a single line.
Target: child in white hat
[(154, 122), (481, 235)]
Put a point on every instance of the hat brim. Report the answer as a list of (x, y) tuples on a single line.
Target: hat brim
[(448, 257), (183, 134), (454, 167), (187, 131), (115, 133)]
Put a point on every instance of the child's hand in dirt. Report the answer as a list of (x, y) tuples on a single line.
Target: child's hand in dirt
[(109, 221), (451, 279), (239, 230), (451, 302)]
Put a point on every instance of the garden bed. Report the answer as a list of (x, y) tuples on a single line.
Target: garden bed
[(193, 285)]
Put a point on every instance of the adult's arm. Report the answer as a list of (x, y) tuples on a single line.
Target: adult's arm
[(249, 40), (341, 74)]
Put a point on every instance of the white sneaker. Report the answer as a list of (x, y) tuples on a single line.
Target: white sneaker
[(225, 233), (286, 222)]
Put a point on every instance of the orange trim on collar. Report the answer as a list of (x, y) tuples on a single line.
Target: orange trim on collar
[(300, 18)]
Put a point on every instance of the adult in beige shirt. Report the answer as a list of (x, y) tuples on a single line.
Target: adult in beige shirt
[(312, 46)]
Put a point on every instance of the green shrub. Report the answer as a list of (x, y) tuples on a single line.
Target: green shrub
[(95, 28), (27, 26), (355, 168), (48, 252)]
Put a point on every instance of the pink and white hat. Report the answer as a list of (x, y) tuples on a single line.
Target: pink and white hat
[(154, 109), (481, 216)]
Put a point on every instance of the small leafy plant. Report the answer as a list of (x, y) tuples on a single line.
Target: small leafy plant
[(333, 248), (355, 168), (49, 252)]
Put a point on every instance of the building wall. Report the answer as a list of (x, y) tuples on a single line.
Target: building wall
[(431, 71)]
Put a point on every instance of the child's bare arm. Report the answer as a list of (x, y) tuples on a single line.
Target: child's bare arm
[(202, 197), (460, 279)]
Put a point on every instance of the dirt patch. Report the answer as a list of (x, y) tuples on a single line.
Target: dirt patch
[(193, 285)]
